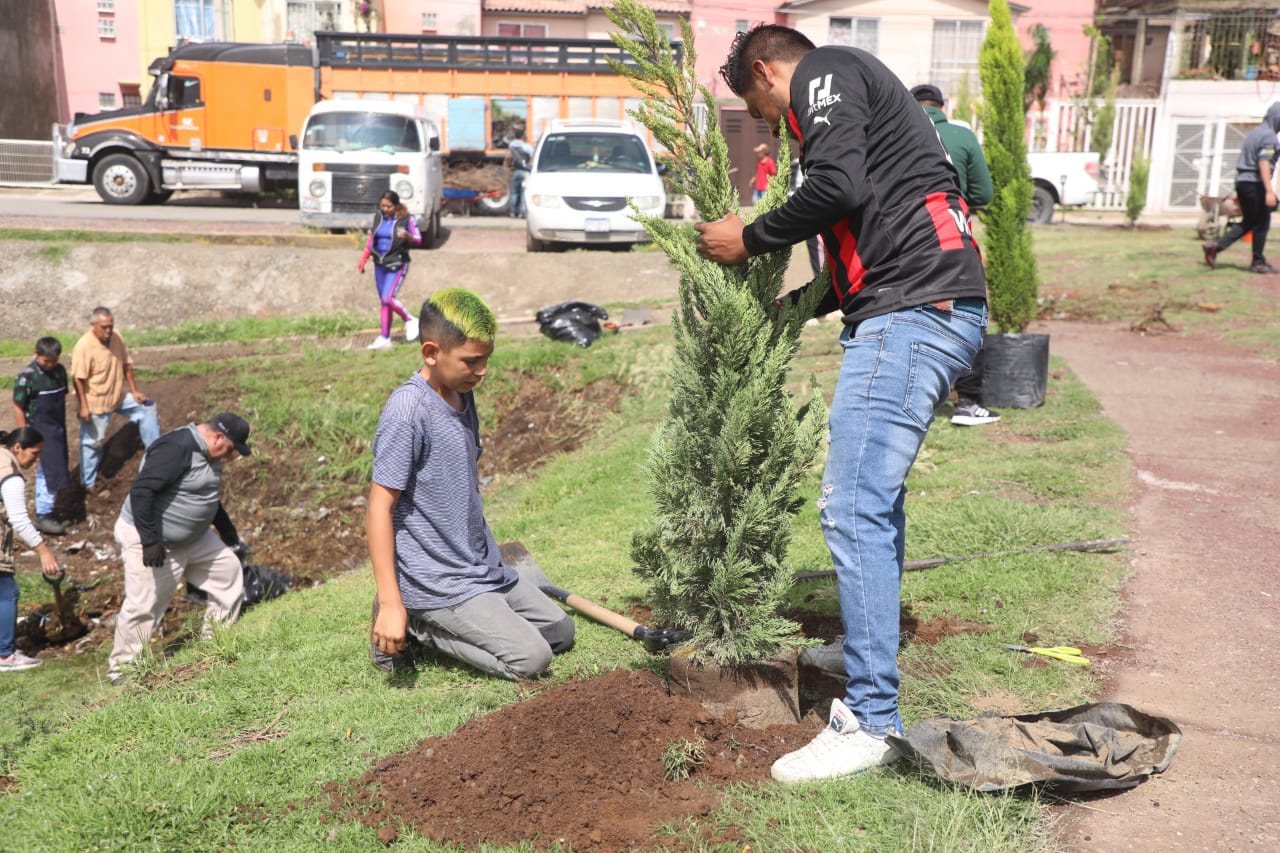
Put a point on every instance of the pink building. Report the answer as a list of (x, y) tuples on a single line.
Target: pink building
[(1065, 20), (98, 45), (445, 17), (715, 23)]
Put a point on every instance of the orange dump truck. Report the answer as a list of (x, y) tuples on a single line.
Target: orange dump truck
[(228, 116)]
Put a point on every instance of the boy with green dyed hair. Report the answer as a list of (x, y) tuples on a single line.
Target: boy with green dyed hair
[(440, 581)]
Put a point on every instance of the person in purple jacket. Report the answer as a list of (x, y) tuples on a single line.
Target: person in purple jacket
[(392, 233), (906, 274)]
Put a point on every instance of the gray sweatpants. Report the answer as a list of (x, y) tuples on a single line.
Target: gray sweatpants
[(511, 634)]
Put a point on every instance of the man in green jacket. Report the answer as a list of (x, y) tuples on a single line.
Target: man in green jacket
[(975, 187)]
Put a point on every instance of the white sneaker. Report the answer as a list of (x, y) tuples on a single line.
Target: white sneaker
[(17, 661), (841, 749), (411, 329), (380, 342)]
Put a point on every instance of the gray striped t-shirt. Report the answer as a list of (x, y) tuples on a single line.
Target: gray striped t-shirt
[(427, 450)]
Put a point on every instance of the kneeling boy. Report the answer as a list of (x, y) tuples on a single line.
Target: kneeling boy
[(440, 580)]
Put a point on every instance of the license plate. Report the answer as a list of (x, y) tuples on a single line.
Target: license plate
[(597, 226)]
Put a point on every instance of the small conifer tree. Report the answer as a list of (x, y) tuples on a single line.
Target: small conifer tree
[(726, 463), (1012, 280), (1136, 200)]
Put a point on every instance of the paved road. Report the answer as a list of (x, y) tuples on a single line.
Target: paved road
[(80, 208)]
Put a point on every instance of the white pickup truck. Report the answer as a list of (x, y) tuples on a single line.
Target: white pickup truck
[(1066, 178)]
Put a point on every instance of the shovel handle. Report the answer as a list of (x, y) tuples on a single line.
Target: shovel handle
[(602, 615)]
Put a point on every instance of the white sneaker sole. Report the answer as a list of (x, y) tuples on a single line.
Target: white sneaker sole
[(967, 420)]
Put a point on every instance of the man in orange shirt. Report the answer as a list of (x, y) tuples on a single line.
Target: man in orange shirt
[(101, 368)]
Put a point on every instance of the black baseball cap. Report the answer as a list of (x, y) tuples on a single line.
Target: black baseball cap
[(235, 428), (928, 92)]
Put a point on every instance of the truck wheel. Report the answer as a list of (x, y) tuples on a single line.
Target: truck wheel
[(493, 205), (120, 179), (1041, 207)]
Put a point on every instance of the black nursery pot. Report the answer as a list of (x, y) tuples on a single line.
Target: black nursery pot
[(1015, 370)]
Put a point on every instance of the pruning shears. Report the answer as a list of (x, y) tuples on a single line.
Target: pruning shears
[(1068, 654)]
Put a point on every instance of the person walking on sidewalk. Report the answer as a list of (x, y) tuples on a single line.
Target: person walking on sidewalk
[(101, 369), (164, 534), (975, 187), (1255, 190), (391, 234), (19, 449), (906, 274), (520, 159), (40, 401)]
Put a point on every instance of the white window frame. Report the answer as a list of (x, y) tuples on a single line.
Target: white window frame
[(863, 32), (429, 22), (107, 100), (107, 6), (956, 43), (524, 27), (106, 28), (742, 25)]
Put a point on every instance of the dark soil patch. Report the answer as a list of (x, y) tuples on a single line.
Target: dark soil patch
[(310, 530), (580, 766)]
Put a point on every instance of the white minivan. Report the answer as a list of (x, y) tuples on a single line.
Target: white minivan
[(585, 171)]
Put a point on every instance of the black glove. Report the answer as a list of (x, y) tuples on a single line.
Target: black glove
[(153, 556)]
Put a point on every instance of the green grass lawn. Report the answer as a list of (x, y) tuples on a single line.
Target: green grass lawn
[(177, 766)]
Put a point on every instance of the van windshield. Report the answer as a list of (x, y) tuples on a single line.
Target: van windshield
[(357, 131), (604, 152)]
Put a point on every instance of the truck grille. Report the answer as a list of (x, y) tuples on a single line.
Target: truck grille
[(595, 204), (357, 193)]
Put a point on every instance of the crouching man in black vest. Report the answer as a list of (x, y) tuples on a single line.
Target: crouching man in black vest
[(164, 533)]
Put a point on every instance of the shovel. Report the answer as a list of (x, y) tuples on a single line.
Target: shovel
[(655, 640), (66, 615)]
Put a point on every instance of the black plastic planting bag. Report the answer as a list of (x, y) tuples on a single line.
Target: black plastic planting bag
[(260, 584), (576, 322), (1015, 371), (1094, 747)]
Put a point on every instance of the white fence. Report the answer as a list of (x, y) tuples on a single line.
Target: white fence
[(1069, 126), (26, 161)]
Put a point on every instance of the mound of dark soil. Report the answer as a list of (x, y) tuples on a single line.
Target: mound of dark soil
[(580, 765)]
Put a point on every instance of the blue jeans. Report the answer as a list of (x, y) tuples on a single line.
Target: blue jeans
[(895, 371), (93, 433), (8, 612), (44, 498), (516, 201)]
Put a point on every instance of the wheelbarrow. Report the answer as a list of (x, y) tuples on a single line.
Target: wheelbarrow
[(1218, 213)]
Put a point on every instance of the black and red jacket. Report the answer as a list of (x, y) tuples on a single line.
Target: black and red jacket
[(879, 188)]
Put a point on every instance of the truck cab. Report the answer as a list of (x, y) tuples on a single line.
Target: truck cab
[(219, 116), (352, 151)]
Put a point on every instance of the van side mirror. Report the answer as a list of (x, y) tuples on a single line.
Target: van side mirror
[(293, 141), (434, 143)]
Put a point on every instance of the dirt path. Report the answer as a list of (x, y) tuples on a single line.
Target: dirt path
[(1203, 421)]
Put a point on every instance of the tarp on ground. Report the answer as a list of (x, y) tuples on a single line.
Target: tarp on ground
[(1094, 747)]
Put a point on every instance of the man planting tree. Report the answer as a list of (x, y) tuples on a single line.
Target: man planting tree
[(907, 276)]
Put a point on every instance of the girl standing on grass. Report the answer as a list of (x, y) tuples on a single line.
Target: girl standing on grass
[(392, 233), (19, 450)]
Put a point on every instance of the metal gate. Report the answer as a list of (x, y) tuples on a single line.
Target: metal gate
[(1204, 160), (26, 161)]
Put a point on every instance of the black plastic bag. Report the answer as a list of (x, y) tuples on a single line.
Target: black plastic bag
[(260, 584), (576, 322), (1015, 370), (1100, 746)]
